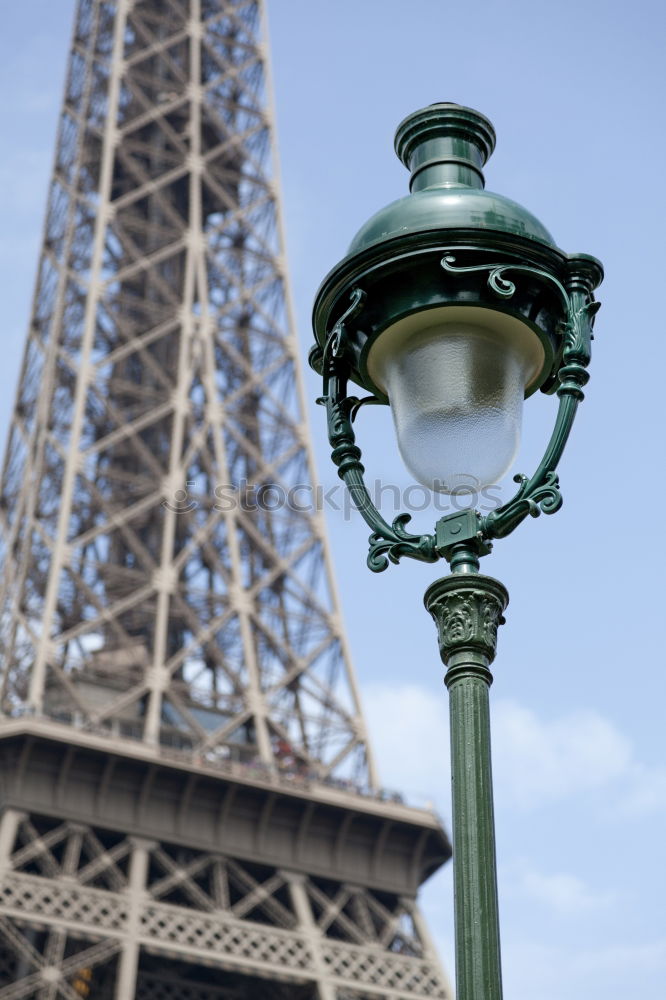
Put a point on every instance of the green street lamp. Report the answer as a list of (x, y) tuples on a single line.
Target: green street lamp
[(452, 306)]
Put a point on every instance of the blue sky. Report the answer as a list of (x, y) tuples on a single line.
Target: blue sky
[(575, 91)]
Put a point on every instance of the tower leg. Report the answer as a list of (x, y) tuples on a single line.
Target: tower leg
[(9, 824), (299, 897), (129, 957)]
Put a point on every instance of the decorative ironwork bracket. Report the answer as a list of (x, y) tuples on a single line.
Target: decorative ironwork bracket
[(387, 541), (537, 494)]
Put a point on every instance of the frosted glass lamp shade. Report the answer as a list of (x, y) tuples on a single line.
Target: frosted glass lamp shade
[(456, 379)]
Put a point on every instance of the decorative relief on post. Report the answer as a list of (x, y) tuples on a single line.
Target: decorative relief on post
[(457, 619), (467, 610), (492, 618)]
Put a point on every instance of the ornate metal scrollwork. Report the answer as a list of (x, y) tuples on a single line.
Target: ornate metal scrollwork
[(540, 493), (501, 286), (537, 494), (399, 543), (387, 541)]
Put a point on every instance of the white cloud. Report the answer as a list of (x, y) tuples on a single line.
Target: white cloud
[(409, 731), (563, 893), (536, 762)]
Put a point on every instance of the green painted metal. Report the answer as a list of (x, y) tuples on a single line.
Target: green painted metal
[(386, 540), (456, 254), (445, 147), (467, 609), (573, 304), (450, 243)]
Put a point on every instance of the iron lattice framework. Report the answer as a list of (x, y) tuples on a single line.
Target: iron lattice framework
[(245, 922), (155, 573), (164, 582)]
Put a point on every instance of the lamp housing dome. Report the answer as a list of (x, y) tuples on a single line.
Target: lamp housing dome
[(449, 253)]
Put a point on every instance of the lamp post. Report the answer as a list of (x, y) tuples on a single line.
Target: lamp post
[(452, 306)]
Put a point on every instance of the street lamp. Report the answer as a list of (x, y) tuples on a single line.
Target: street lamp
[(452, 306)]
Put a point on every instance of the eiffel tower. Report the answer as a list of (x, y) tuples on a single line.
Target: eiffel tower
[(189, 805)]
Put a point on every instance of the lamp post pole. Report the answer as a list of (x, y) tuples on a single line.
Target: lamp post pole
[(467, 608), (452, 306)]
